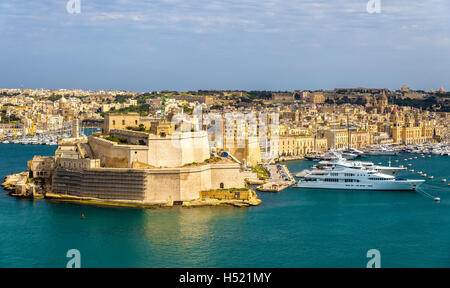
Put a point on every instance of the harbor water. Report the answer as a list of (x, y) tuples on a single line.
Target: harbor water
[(293, 228)]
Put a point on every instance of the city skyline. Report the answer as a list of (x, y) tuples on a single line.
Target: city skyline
[(224, 45)]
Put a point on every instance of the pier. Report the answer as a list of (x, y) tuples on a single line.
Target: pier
[(280, 179)]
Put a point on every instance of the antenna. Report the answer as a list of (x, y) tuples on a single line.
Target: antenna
[(348, 134), (163, 107), (316, 151)]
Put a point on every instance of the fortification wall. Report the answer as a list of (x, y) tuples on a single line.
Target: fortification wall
[(78, 164), (227, 174), (178, 149), (194, 180), (150, 185), (115, 155), (133, 137), (111, 184), (201, 147)]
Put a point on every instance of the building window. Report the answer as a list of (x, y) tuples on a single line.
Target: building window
[(222, 186)]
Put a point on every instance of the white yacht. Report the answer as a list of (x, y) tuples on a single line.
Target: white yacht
[(329, 155), (343, 178), (351, 153), (388, 170), (348, 155), (382, 151)]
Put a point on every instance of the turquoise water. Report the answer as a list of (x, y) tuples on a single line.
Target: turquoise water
[(294, 228)]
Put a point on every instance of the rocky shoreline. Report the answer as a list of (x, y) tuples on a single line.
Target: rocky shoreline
[(20, 185)]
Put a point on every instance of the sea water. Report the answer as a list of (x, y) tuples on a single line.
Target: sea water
[(293, 228)]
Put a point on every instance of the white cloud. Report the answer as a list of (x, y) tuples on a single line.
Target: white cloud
[(398, 18)]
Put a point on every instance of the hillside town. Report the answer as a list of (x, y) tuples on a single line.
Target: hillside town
[(282, 124)]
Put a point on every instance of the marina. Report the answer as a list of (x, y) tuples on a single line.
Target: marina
[(42, 138)]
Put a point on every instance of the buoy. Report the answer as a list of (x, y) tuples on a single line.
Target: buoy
[(437, 199), (82, 216)]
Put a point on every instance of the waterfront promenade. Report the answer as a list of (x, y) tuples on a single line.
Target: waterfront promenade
[(280, 179)]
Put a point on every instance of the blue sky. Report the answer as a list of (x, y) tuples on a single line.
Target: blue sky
[(224, 44)]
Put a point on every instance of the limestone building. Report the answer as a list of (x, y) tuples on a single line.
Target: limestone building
[(407, 129)]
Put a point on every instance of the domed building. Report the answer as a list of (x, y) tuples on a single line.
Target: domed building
[(384, 99), (405, 89), (396, 130), (413, 130), (394, 118), (62, 103), (65, 110)]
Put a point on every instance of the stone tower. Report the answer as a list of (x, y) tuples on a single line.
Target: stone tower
[(75, 128)]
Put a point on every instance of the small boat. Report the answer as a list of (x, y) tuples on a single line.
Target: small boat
[(382, 151)]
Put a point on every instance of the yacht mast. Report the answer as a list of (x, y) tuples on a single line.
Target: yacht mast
[(348, 134), (316, 138)]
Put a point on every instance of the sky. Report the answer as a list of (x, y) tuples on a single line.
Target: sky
[(148, 45)]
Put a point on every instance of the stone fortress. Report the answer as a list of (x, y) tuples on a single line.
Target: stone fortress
[(166, 167)]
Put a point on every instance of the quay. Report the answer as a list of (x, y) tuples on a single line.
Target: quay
[(280, 179), (290, 158)]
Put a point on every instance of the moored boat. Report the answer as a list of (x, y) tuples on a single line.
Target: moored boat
[(343, 178)]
